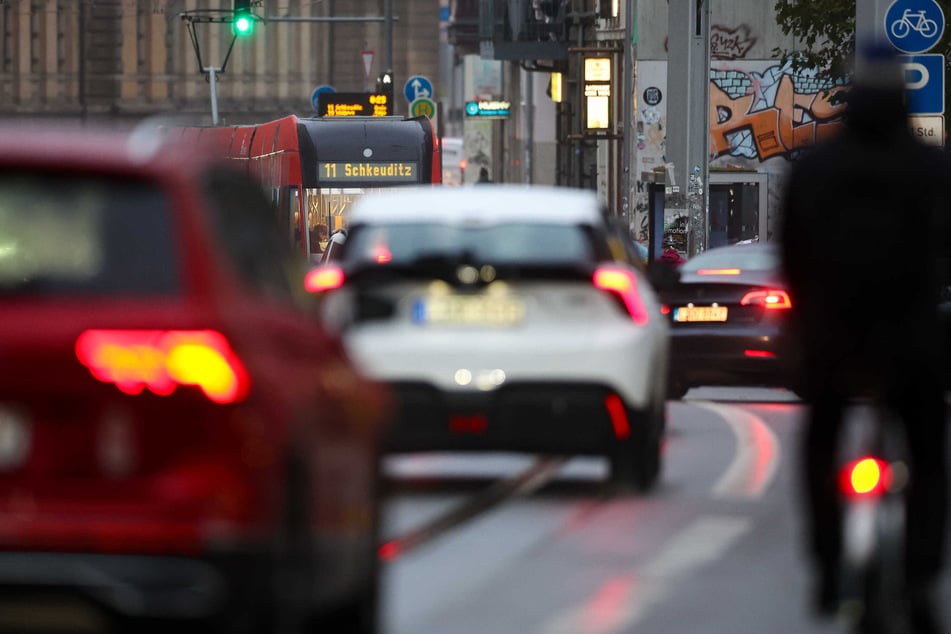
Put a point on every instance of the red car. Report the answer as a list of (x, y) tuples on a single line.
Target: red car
[(179, 438)]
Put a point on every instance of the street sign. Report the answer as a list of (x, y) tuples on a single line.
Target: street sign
[(929, 130), (422, 106), (367, 63), (314, 95), (924, 83), (352, 104), (417, 87), (914, 26), (498, 109)]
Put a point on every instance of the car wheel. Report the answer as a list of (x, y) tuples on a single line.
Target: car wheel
[(293, 560), (635, 462), (359, 614)]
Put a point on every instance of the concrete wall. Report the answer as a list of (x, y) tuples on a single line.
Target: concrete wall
[(739, 29)]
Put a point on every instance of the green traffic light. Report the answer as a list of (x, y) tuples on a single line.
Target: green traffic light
[(243, 25)]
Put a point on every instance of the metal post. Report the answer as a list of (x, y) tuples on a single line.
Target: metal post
[(869, 24), (529, 90), (627, 110), (388, 33), (688, 112), (213, 83), (82, 61), (331, 62)]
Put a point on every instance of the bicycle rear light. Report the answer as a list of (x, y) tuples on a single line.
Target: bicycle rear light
[(865, 477)]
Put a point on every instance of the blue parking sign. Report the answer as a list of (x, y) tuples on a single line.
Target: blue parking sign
[(914, 26), (924, 83)]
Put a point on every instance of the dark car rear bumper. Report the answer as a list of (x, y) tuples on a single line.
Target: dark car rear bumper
[(748, 357), (555, 418), (136, 586)]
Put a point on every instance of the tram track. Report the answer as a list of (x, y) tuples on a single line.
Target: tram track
[(523, 483)]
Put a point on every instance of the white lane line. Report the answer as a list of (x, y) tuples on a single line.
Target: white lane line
[(756, 458), (621, 602)]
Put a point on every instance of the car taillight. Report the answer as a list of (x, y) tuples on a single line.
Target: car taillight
[(771, 299), (718, 271), (624, 284), (382, 254), (865, 477), (323, 279), (161, 360)]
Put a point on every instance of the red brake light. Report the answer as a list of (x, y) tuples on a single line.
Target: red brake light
[(382, 254), (771, 299), (865, 477), (160, 360), (323, 279), (625, 285), (618, 414), (718, 272)]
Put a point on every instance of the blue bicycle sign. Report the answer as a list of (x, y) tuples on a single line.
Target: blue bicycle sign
[(913, 21), (914, 26)]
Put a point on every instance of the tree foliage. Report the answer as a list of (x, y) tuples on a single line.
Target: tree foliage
[(826, 30)]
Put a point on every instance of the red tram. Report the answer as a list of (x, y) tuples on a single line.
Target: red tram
[(314, 168)]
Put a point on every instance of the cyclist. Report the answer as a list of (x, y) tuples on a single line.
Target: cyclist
[(867, 321)]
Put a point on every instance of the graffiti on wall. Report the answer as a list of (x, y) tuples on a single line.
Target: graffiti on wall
[(726, 43), (775, 113)]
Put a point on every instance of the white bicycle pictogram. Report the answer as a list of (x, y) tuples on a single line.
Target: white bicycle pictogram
[(913, 21)]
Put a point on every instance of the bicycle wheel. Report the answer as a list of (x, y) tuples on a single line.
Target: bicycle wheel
[(884, 608), (900, 29), (929, 28)]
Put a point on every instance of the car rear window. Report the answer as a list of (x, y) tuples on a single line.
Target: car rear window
[(752, 260), (514, 243), (84, 234)]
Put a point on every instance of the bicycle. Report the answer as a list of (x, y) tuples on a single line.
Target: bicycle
[(913, 21), (872, 484)]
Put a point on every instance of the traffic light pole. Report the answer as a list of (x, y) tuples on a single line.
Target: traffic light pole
[(226, 16), (212, 80), (210, 16)]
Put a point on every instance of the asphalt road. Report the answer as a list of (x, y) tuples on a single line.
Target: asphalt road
[(510, 543)]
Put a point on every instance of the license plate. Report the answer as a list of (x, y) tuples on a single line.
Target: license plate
[(465, 310), (700, 313)]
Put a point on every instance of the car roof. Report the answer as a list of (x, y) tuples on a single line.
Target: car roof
[(755, 247), (484, 203), (93, 147)]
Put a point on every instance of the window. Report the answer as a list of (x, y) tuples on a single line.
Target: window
[(85, 234), (249, 229), (518, 243)]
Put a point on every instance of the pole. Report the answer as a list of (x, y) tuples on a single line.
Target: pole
[(530, 141), (627, 110), (213, 83), (388, 33), (688, 113), (82, 61), (869, 24)]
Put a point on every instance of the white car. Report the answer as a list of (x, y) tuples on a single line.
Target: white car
[(505, 318)]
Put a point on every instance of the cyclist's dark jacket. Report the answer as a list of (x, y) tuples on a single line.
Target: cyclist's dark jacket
[(855, 209), (866, 312)]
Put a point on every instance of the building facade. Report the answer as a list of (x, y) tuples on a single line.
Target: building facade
[(135, 58)]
